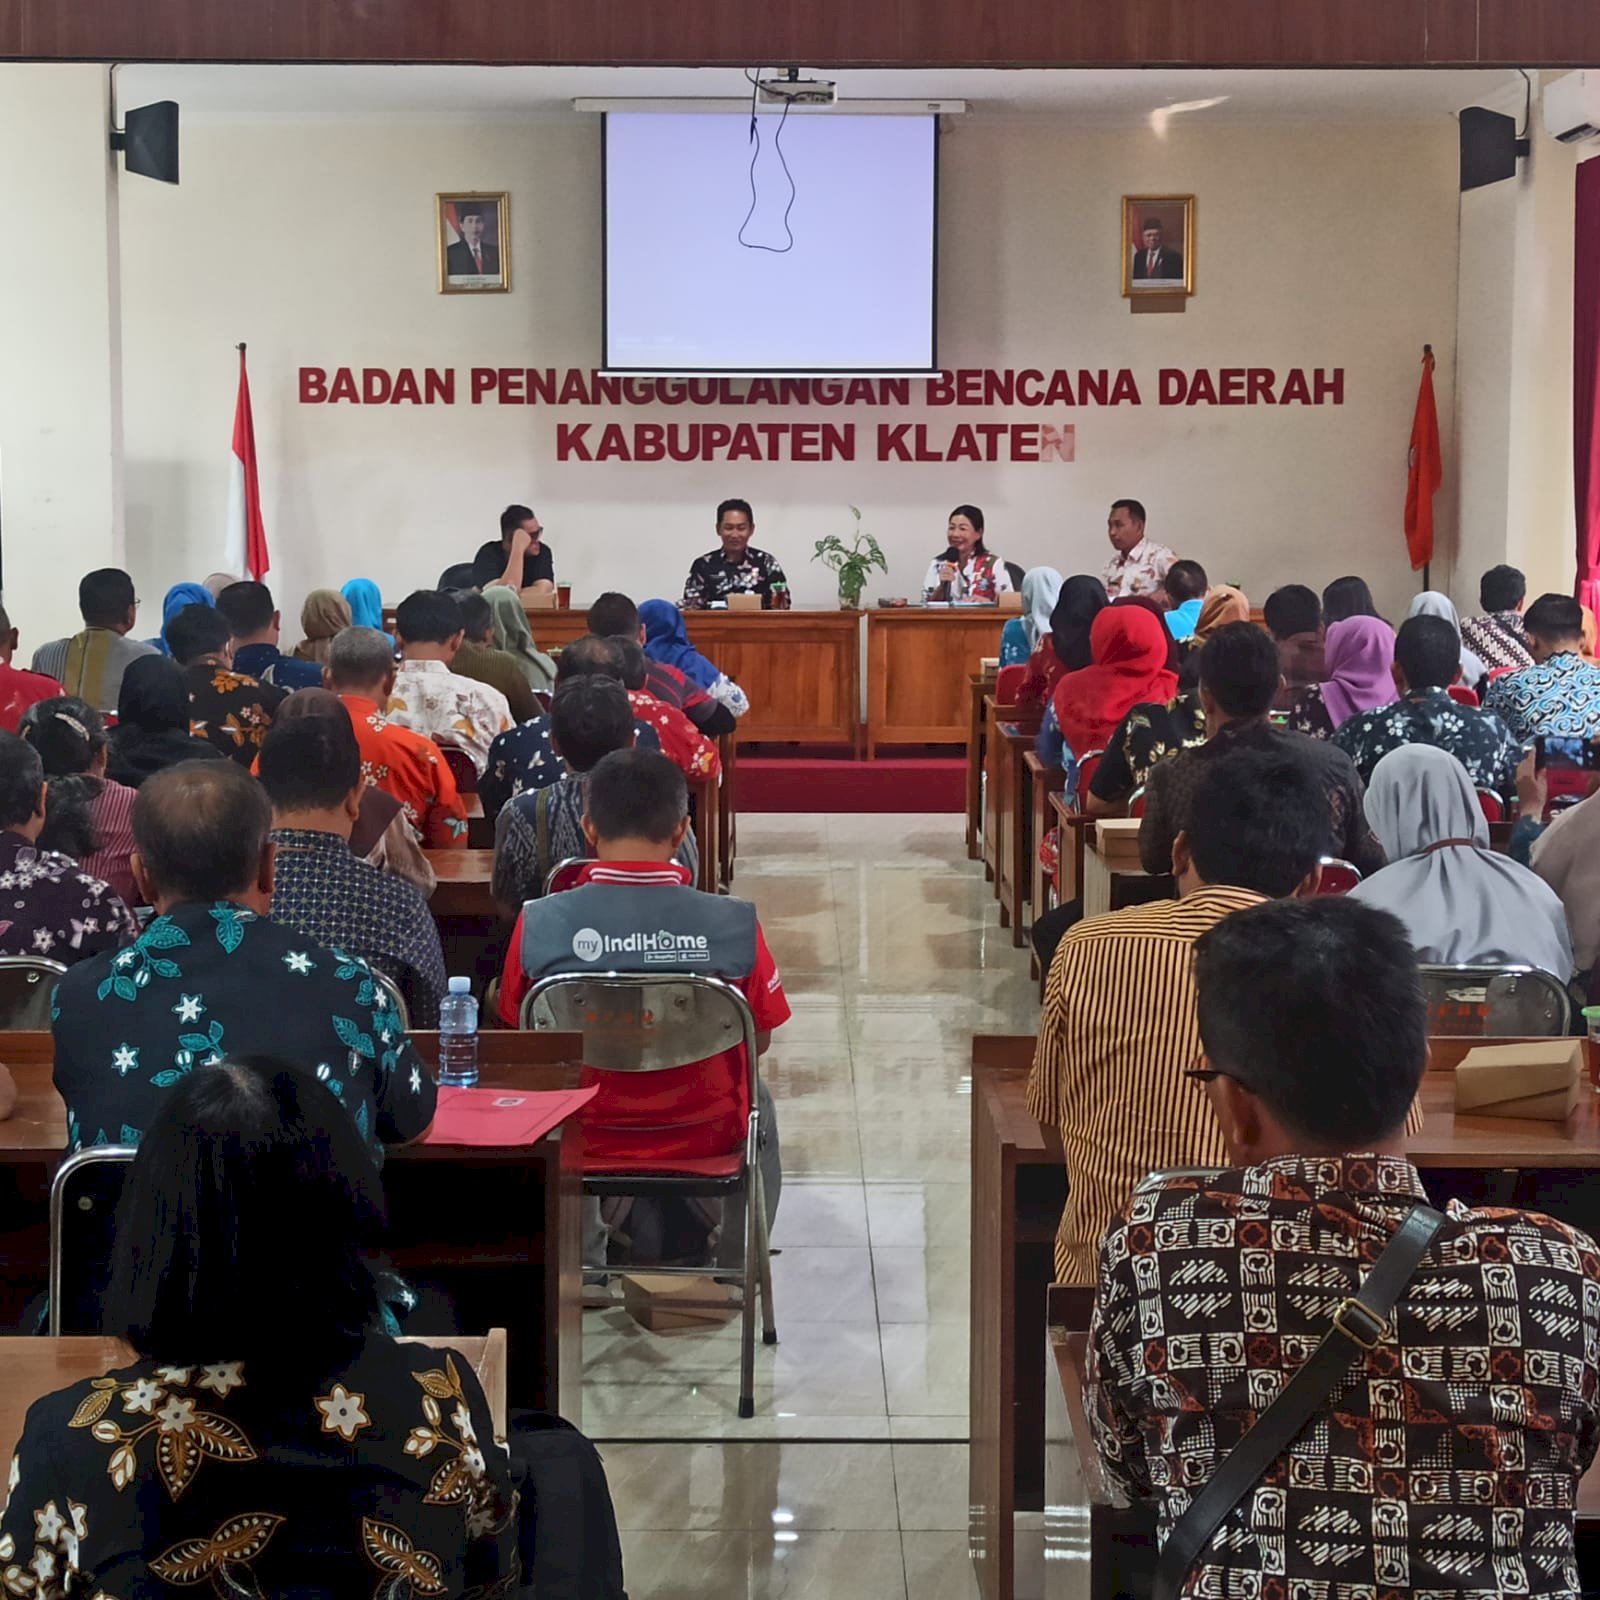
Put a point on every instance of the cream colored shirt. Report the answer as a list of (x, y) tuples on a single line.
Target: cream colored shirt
[(443, 706)]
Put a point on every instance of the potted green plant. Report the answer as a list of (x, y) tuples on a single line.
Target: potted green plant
[(851, 561)]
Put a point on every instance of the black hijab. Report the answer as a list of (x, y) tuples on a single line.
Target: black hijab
[(152, 729), (1081, 600)]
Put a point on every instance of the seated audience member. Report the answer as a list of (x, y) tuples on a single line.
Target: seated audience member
[(366, 607), (1566, 854), (229, 709), (73, 745), (1560, 693), (1204, 1310), (49, 906), (1185, 588), (1431, 603), (325, 615), (240, 1282), (520, 558), (1293, 614), (1345, 598), (311, 769), (1041, 588), (1427, 653), (540, 828), (428, 696), (152, 730), (681, 742), (257, 626), (1066, 647), (1238, 678), (212, 976), (666, 640), (176, 599), (1497, 637), (478, 657), (90, 664), (215, 582), (513, 634), (615, 614), (361, 672), (1117, 1031), (1358, 675), (1459, 900), (636, 819), (737, 567), (1138, 563), (18, 689)]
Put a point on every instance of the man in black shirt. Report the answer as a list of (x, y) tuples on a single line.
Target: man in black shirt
[(737, 568), (519, 557)]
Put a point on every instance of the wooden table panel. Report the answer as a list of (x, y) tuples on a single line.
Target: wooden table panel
[(981, 684), (919, 668)]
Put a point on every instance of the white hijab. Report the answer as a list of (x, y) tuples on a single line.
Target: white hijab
[(1041, 588), (1430, 603), (1461, 902)]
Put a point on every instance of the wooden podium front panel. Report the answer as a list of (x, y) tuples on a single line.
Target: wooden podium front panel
[(919, 669)]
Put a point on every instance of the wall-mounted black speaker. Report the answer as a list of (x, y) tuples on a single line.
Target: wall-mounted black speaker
[(149, 141), (1489, 147)]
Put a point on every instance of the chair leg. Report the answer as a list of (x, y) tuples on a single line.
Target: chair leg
[(747, 1334), (769, 1324)]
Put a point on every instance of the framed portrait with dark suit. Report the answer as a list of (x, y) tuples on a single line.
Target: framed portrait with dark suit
[(474, 237), (1157, 244)]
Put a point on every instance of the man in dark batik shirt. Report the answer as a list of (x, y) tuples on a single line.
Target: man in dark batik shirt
[(228, 709), (737, 568), (212, 979), (1427, 656), (1448, 1461), (1498, 638)]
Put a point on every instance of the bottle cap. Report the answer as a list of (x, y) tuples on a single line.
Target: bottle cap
[(461, 985)]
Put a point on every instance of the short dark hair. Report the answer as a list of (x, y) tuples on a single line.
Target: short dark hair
[(633, 660), (197, 631), (248, 608), (636, 794), (1152, 222), (309, 763), (589, 653), (200, 828), (67, 732), (590, 716), (725, 506), (1134, 508), (1428, 651), (512, 518), (1345, 598), (971, 513), (1292, 609), (104, 596), (1314, 1005), (1554, 618), (1502, 588), (1258, 819), (1239, 666), (613, 613), (1186, 580), (21, 779), (251, 1198), (428, 616), (477, 616)]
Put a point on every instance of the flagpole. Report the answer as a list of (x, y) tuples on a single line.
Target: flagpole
[(1427, 566)]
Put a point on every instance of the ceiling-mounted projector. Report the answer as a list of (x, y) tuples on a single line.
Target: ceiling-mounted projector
[(791, 89)]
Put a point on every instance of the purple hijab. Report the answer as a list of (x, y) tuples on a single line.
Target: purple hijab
[(1357, 657)]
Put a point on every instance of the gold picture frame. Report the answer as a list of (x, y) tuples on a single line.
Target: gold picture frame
[(1174, 218), (459, 271)]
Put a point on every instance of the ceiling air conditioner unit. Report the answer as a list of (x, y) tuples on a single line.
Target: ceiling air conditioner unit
[(1572, 107)]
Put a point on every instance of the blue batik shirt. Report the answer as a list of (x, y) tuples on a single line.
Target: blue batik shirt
[(209, 983), (1560, 695)]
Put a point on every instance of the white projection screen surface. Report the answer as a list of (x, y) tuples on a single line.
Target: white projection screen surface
[(854, 293)]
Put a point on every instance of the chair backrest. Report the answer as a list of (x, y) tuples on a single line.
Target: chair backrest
[(1008, 682), (27, 990), (1087, 766), (1165, 1175), (1461, 694), (1495, 1002), (1338, 876), (1494, 808), (564, 874), (1017, 575), (462, 768), (1136, 802), (83, 1209), (396, 995)]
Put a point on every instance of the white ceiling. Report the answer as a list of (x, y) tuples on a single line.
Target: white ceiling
[(221, 92)]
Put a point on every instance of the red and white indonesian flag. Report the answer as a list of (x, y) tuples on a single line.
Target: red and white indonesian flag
[(246, 547)]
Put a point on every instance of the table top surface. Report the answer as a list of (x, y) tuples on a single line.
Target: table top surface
[(461, 866)]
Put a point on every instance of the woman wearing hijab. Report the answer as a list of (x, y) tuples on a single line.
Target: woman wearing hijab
[(513, 635), (1460, 900), (152, 729), (1358, 657), (1430, 603), (179, 596), (1041, 588), (1065, 647), (216, 582), (666, 640), (1347, 597), (366, 606), (325, 613)]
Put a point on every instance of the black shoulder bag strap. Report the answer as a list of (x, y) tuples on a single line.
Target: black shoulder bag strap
[(1359, 1325)]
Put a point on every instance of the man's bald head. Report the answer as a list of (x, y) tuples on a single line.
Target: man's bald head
[(589, 654), (360, 661), (200, 830)]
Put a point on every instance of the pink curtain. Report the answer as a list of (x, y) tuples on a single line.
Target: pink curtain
[(1586, 383)]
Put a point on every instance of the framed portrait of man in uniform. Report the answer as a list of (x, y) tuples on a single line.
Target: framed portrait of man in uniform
[(1157, 244), (474, 240)]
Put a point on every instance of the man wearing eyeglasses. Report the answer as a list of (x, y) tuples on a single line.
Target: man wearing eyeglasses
[(1118, 1029)]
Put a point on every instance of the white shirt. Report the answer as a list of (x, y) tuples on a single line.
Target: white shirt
[(1140, 571), (441, 705), (974, 578)]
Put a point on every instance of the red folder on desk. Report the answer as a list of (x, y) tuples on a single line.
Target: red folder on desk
[(502, 1118)]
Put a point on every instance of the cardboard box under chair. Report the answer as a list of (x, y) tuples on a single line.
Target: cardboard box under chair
[(1532, 1082), (665, 1303)]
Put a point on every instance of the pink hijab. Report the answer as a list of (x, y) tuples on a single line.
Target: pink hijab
[(1357, 657)]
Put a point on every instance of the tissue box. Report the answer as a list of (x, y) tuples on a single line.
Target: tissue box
[(1116, 840), (1537, 1082)]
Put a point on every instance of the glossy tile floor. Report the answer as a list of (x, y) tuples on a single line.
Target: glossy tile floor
[(851, 1478)]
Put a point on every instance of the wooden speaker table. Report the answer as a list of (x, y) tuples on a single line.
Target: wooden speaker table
[(920, 664)]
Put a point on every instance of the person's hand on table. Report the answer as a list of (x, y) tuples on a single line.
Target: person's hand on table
[(8, 1094), (1533, 788)]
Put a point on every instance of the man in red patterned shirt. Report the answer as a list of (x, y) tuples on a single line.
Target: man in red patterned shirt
[(615, 616), (18, 689)]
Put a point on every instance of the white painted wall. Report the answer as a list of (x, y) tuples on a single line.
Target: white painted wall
[(60, 389), (314, 244)]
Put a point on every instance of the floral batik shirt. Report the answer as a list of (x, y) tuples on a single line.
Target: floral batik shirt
[(525, 759), (1561, 695), (209, 983), (229, 710), (50, 907), (1479, 740), (382, 1478), (441, 705), (681, 742)]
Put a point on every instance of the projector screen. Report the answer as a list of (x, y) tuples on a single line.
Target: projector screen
[(854, 292)]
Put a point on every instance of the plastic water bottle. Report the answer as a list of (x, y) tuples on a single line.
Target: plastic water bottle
[(458, 1035)]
